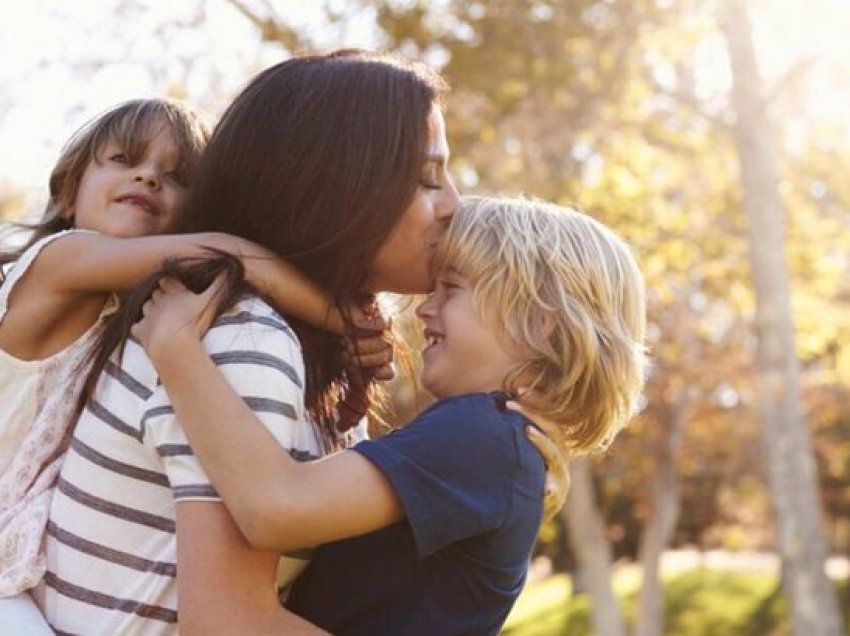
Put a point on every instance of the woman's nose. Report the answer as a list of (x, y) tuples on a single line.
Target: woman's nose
[(451, 201)]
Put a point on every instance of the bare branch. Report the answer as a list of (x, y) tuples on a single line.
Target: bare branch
[(271, 28)]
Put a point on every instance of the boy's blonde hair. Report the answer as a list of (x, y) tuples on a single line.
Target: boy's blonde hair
[(566, 291)]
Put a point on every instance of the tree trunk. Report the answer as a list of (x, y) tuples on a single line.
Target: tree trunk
[(791, 468), (664, 515), (590, 545)]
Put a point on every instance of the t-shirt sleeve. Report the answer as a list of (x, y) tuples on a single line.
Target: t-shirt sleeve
[(452, 469), (260, 358)]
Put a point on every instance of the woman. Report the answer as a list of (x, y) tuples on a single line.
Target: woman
[(338, 163)]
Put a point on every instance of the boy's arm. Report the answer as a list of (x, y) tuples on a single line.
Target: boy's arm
[(277, 502)]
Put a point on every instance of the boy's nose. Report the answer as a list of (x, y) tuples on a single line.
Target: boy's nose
[(426, 308)]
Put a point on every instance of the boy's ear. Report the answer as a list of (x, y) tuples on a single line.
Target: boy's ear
[(546, 324)]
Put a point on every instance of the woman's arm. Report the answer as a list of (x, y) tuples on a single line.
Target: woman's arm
[(277, 503), (223, 585)]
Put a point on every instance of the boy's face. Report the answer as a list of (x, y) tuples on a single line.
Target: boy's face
[(127, 198), (462, 353)]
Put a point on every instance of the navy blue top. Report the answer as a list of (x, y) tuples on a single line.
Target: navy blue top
[(471, 486)]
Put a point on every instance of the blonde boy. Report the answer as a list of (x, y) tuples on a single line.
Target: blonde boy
[(428, 530)]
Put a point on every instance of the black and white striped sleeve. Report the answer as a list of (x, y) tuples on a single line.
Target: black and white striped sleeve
[(261, 359)]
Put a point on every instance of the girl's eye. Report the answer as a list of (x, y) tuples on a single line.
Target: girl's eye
[(119, 157)]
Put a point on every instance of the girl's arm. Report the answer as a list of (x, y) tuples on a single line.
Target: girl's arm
[(277, 503), (87, 264), (84, 263)]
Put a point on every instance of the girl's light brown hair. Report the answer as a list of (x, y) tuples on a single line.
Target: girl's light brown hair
[(132, 125), (567, 293)]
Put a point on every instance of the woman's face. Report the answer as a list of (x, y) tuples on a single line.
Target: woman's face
[(403, 262)]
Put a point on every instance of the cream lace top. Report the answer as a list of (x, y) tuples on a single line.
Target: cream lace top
[(37, 403)]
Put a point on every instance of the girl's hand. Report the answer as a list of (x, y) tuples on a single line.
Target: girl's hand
[(554, 454), (173, 313)]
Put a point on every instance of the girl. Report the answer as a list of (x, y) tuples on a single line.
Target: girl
[(435, 529), (116, 193), (336, 162)]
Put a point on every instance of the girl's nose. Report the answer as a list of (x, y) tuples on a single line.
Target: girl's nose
[(148, 176)]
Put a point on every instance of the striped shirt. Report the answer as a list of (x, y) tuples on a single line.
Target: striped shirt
[(111, 537)]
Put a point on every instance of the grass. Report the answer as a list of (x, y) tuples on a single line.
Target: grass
[(700, 602)]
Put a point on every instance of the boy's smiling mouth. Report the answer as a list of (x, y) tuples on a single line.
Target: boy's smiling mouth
[(432, 338)]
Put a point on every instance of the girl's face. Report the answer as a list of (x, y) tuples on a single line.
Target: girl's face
[(403, 262), (128, 197), (462, 352)]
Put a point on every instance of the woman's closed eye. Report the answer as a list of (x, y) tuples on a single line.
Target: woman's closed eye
[(430, 178)]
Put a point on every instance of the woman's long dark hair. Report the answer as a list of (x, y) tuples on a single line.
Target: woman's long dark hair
[(317, 159)]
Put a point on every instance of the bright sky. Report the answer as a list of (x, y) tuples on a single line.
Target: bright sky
[(65, 61)]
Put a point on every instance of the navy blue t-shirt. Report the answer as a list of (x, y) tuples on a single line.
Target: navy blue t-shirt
[(471, 486)]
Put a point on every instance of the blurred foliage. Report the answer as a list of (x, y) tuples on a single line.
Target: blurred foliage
[(12, 202), (594, 103), (702, 602), (601, 104)]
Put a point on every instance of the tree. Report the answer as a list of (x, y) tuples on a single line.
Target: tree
[(593, 552), (792, 474)]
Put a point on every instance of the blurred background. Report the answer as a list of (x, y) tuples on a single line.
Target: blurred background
[(714, 136)]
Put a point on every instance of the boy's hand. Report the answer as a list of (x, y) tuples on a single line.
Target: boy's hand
[(174, 312), (555, 456)]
